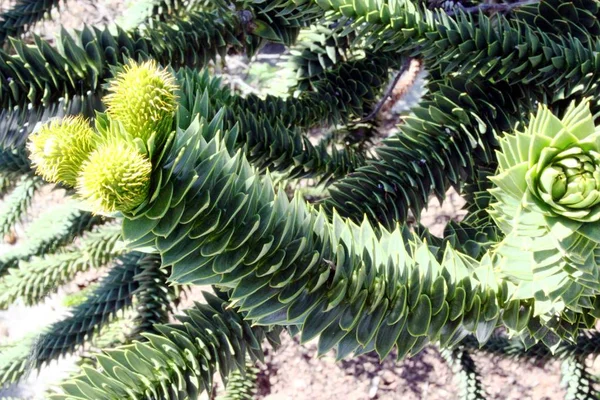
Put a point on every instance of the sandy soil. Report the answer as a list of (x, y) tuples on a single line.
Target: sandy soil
[(293, 372)]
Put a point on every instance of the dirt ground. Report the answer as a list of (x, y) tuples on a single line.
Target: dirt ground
[(293, 371)]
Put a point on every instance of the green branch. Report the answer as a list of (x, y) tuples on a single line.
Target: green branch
[(455, 126), (288, 265), (39, 276), (271, 130), (49, 232), (41, 74), (465, 370), (587, 344), (178, 362), (547, 48), (15, 205), (154, 297), (317, 51), (15, 360), (113, 294), (7, 183), (241, 384), (578, 381), (23, 16)]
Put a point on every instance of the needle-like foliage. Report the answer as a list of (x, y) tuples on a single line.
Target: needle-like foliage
[(186, 168)]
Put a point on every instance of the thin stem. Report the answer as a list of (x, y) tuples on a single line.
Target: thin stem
[(388, 92), (502, 7)]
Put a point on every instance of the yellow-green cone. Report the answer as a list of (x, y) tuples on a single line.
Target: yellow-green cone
[(116, 177), (142, 98), (60, 147)]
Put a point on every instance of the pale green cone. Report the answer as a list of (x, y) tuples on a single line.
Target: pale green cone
[(115, 178), (142, 97), (60, 147)]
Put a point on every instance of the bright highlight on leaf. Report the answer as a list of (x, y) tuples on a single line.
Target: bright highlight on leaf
[(548, 205), (142, 98), (554, 166), (115, 178), (59, 149)]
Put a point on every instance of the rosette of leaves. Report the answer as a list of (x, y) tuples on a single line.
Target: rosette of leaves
[(547, 203)]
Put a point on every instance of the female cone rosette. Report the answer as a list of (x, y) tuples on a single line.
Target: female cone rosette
[(548, 206), (569, 182)]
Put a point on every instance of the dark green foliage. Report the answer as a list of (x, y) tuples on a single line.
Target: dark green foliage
[(476, 233), (22, 16), (40, 276), (269, 129), (318, 51), (40, 74), (241, 384), (113, 294), (577, 18), (180, 361), (477, 45), (213, 219), (15, 205), (14, 161), (464, 369), (434, 150), (276, 20), (155, 297), (49, 232), (578, 381), (348, 91)]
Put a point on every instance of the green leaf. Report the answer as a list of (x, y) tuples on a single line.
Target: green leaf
[(419, 317), (264, 30)]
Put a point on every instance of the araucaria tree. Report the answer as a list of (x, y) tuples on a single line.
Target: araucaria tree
[(171, 180)]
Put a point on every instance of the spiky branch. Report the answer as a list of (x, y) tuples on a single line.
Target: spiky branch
[(114, 293), (46, 234), (39, 276), (22, 16)]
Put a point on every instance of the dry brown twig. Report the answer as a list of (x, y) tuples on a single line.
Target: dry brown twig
[(400, 85), (492, 7)]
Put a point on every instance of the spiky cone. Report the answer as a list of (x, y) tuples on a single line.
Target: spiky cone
[(116, 177), (548, 205), (60, 147), (142, 97)]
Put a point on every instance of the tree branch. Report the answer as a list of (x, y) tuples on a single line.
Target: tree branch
[(388, 92), (502, 7)]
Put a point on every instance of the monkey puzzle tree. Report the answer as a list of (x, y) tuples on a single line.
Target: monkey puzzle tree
[(172, 173)]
